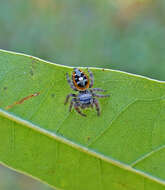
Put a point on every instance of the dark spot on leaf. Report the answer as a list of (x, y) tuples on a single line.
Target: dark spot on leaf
[(5, 88), (103, 69), (51, 171), (88, 138), (32, 66), (31, 72), (123, 185), (52, 95)]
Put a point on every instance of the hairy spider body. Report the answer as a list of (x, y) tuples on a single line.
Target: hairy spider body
[(86, 96)]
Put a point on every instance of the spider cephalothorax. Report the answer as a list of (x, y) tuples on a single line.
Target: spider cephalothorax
[(86, 96), (80, 80)]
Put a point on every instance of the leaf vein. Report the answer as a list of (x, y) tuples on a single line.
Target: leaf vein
[(112, 121)]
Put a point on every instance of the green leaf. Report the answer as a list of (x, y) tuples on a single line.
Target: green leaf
[(123, 149)]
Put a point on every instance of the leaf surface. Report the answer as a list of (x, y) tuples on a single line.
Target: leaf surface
[(123, 149)]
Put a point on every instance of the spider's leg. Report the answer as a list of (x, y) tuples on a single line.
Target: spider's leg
[(100, 95), (98, 89), (71, 105), (70, 82), (68, 96), (97, 106), (91, 78), (73, 101), (76, 106)]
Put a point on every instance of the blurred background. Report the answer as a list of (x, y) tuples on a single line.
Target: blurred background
[(127, 35)]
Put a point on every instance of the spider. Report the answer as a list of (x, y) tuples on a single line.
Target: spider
[(86, 97)]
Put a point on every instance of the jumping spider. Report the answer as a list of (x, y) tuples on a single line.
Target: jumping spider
[(86, 97)]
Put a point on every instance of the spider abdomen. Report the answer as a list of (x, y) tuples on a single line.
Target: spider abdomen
[(85, 98)]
